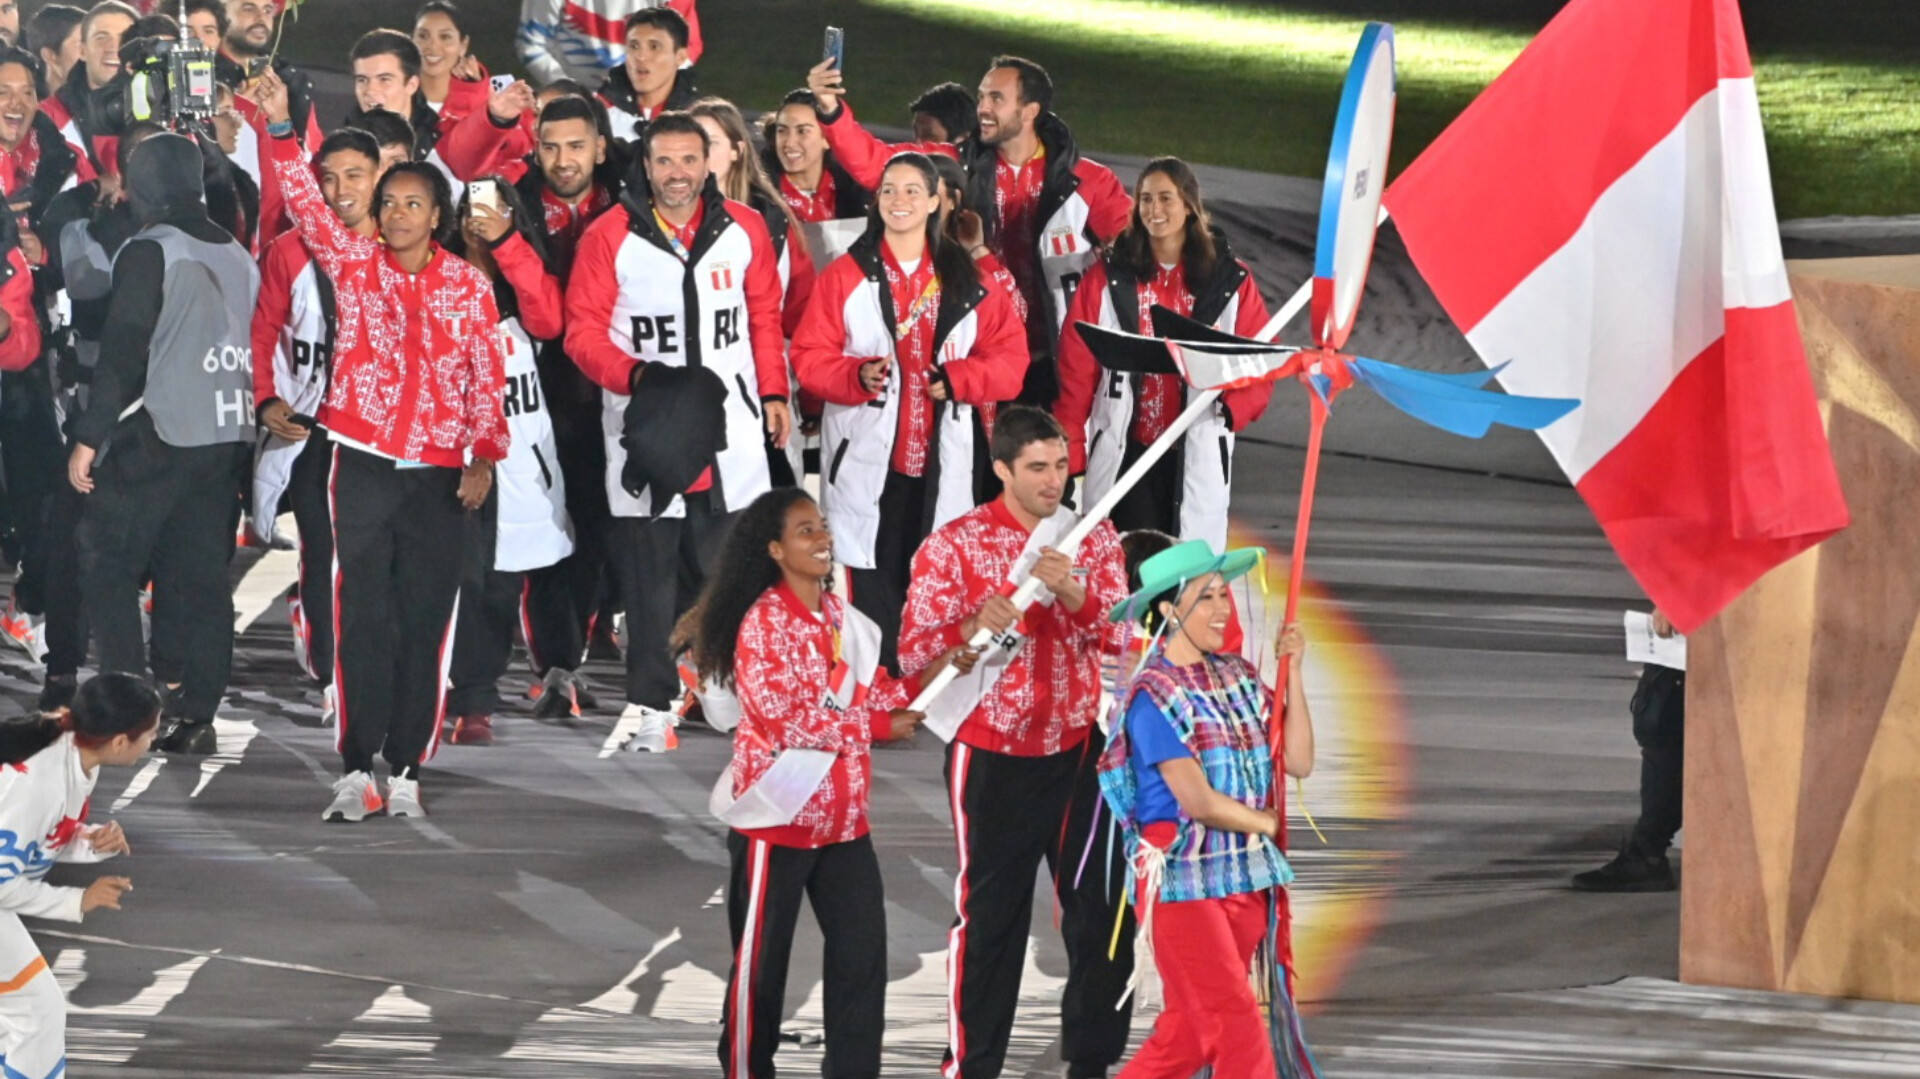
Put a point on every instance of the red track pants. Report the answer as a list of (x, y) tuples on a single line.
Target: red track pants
[(1205, 951)]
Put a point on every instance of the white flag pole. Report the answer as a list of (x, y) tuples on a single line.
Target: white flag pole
[(1202, 401)]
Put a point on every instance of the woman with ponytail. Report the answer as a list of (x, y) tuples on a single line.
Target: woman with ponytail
[(48, 765), (912, 352)]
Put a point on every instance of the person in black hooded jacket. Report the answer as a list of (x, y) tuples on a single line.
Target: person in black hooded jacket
[(170, 424)]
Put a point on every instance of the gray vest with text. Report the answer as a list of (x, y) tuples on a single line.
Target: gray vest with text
[(200, 362)]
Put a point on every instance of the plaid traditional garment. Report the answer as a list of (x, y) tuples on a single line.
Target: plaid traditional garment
[(1216, 707)]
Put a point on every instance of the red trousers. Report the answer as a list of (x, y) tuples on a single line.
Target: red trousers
[(1204, 948)]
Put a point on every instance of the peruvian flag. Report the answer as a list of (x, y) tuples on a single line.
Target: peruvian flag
[(1602, 217)]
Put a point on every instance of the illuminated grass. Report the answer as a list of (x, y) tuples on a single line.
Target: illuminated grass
[(1253, 83)]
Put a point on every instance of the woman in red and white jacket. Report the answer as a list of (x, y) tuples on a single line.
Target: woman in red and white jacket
[(805, 668), (414, 406), (911, 351), (522, 530), (1168, 256)]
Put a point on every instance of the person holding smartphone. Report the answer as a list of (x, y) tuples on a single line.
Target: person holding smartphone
[(1047, 209), (522, 530)]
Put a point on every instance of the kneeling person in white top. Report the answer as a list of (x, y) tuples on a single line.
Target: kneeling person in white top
[(48, 765)]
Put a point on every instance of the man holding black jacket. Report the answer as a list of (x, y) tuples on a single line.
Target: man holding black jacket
[(170, 424)]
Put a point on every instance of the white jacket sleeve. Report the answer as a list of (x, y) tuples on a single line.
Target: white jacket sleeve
[(22, 858), (536, 40), (81, 852)]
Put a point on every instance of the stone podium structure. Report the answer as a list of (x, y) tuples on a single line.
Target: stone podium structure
[(1802, 864)]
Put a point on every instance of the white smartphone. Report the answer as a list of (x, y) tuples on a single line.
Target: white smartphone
[(486, 191), (501, 82)]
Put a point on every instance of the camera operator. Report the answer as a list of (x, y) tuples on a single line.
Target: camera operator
[(152, 84), (171, 405)]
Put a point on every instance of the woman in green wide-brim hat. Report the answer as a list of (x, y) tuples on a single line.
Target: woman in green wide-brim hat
[(1189, 775)]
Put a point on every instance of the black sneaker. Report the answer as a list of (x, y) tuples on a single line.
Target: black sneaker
[(604, 646), (1630, 871), (192, 739), (58, 692)]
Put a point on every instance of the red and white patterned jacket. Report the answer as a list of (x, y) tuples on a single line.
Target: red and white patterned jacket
[(783, 663), (1047, 697), (418, 368)]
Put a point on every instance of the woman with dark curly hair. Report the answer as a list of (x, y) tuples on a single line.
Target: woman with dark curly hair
[(806, 669)]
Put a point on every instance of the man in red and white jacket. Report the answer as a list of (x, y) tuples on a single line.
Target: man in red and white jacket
[(293, 340), (1021, 777), (675, 274)]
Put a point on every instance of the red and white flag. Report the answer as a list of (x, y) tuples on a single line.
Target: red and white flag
[(1602, 217)]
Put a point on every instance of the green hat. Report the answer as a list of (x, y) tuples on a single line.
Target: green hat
[(1178, 565)]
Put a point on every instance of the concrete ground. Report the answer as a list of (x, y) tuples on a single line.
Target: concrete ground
[(560, 915)]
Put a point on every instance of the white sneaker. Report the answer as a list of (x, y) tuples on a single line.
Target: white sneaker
[(329, 705), (403, 798), (640, 727), (355, 797)]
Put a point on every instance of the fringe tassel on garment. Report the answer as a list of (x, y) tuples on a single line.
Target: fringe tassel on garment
[(1150, 869), (1291, 1056)]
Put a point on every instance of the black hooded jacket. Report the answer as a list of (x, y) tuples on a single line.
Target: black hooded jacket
[(165, 186), (618, 93), (57, 163)]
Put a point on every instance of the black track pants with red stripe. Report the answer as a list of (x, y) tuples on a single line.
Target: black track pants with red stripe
[(1010, 813), (842, 881), (398, 534)]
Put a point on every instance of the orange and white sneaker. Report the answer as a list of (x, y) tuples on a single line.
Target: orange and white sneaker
[(642, 728), (355, 798)]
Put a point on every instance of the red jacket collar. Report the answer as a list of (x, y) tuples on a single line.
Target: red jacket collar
[(792, 600), (997, 509)]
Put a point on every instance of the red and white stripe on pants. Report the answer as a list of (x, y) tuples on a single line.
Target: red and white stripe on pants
[(746, 963), (957, 936)]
